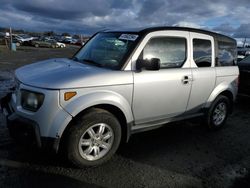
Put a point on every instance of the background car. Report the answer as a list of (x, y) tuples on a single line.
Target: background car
[(17, 42), (244, 85), (44, 43), (6, 39), (22, 39), (69, 41), (60, 44), (79, 43), (242, 53)]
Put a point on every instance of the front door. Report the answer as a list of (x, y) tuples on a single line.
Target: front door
[(162, 94)]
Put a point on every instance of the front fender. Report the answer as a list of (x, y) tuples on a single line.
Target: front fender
[(84, 100)]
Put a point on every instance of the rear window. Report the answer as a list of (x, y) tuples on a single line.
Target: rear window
[(227, 54)]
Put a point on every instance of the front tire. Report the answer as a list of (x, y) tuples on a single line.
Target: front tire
[(218, 112), (93, 139)]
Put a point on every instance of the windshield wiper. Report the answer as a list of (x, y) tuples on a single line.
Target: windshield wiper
[(75, 59), (92, 62)]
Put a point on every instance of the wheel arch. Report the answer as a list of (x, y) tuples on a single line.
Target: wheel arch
[(225, 91), (229, 95), (117, 112)]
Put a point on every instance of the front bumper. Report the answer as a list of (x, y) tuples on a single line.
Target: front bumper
[(24, 130)]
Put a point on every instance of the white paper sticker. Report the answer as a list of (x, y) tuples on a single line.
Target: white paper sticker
[(128, 37)]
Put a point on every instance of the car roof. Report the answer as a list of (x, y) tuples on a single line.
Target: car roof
[(146, 30)]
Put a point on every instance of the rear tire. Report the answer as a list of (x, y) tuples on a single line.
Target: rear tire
[(218, 112), (93, 139)]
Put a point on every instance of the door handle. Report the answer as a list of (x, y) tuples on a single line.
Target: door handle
[(187, 79)]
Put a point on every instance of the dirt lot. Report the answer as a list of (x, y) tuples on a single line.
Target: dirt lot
[(184, 154)]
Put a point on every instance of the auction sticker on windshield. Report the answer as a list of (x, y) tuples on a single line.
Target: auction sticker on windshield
[(128, 37)]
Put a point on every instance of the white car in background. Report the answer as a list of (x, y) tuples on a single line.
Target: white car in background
[(60, 45)]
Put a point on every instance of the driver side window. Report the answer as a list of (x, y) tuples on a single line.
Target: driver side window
[(170, 50)]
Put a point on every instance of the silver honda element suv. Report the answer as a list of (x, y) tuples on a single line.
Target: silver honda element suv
[(120, 83)]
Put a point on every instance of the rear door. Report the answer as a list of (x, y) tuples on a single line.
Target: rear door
[(203, 70)]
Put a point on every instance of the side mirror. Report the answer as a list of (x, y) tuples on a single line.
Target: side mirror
[(148, 64)]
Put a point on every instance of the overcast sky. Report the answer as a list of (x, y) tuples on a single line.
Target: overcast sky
[(230, 17)]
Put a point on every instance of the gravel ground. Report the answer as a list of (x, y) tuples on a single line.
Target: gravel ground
[(183, 154)]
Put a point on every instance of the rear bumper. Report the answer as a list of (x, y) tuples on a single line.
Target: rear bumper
[(24, 130)]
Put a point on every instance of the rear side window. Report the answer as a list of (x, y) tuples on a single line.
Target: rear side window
[(202, 52), (170, 50), (227, 54)]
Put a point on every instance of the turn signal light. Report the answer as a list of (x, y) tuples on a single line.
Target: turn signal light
[(69, 95)]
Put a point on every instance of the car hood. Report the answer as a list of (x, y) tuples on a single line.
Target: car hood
[(65, 73)]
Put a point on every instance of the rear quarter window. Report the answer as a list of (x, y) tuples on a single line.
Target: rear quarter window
[(226, 54)]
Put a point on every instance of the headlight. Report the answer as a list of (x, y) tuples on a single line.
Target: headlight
[(31, 100)]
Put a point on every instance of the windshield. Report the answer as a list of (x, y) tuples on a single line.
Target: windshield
[(108, 50)]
